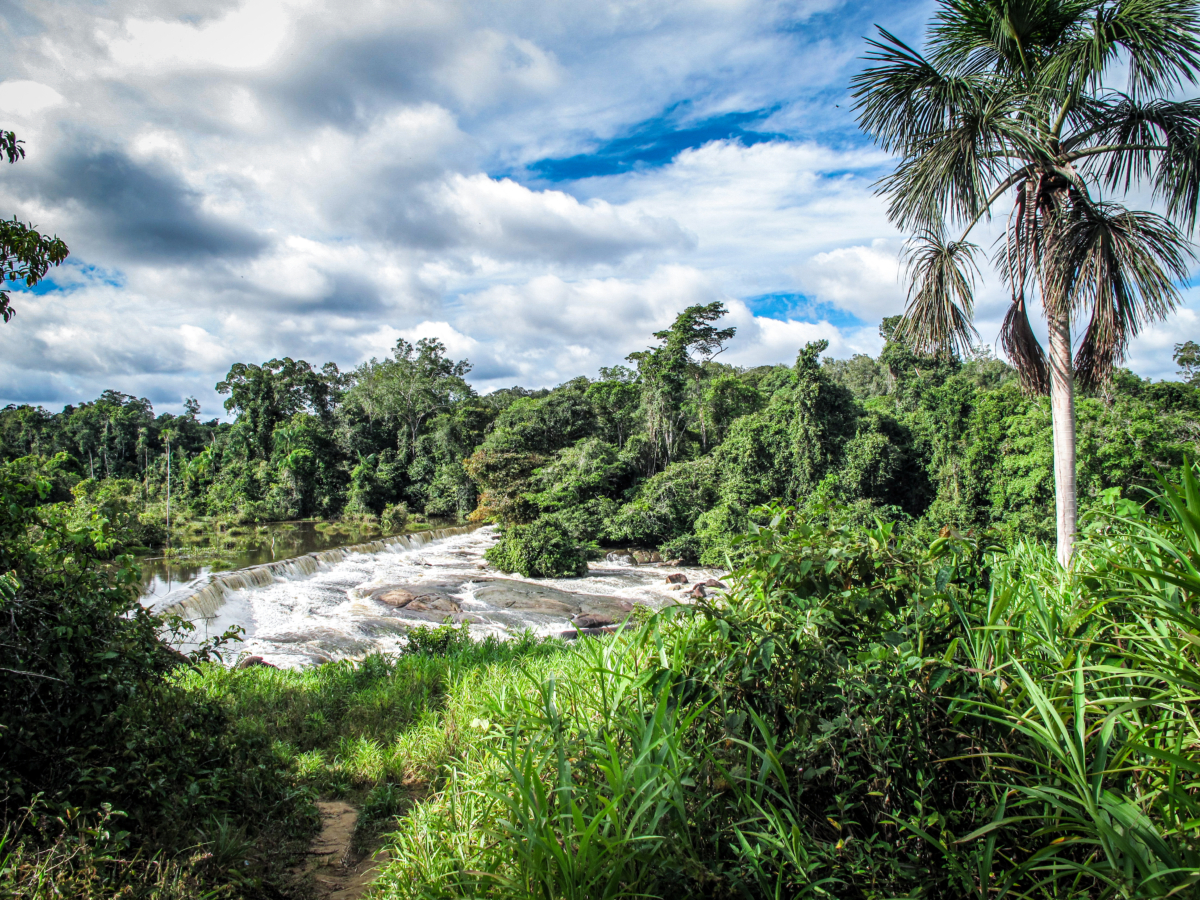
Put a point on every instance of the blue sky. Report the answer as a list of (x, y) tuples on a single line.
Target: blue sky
[(653, 143), (540, 184)]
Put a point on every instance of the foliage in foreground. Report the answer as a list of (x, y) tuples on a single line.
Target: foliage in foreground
[(863, 716), (860, 718)]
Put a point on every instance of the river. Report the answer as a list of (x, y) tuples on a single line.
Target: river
[(350, 602)]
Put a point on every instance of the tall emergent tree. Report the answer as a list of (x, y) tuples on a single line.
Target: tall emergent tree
[(409, 388), (25, 255), (691, 341), (1013, 98)]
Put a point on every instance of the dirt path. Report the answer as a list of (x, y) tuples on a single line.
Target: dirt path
[(337, 871)]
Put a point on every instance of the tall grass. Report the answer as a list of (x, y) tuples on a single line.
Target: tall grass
[(861, 718), (1096, 670), (350, 725)]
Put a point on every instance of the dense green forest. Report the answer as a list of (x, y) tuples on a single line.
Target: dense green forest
[(900, 688), (670, 452)]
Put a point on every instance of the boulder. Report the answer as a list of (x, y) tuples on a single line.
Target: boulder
[(597, 605), (418, 597), (432, 603), (676, 587), (523, 596), (646, 557), (621, 557), (397, 597), (591, 621), (677, 578), (713, 583), (698, 592), (251, 662)]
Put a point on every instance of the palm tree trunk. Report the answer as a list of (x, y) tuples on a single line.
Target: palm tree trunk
[(1062, 410)]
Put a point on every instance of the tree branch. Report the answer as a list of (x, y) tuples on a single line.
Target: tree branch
[(31, 674)]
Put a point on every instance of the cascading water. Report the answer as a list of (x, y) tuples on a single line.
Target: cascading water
[(204, 597), (355, 600)]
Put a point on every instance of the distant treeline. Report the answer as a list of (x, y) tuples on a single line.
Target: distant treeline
[(673, 451)]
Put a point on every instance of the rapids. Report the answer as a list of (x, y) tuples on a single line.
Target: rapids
[(341, 603)]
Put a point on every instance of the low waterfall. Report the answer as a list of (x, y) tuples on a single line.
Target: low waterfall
[(203, 597)]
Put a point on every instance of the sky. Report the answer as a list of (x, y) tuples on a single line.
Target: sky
[(540, 185)]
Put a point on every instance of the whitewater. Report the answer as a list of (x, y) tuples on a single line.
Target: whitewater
[(342, 604)]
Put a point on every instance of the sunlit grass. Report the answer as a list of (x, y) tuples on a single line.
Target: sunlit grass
[(351, 725)]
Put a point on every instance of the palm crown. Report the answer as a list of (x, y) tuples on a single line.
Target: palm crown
[(1013, 98)]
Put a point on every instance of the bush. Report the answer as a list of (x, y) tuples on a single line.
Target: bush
[(439, 640), (542, 549), (666, 506), (394, 518), (91, 716)]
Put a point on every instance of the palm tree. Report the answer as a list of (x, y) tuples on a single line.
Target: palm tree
[(1011, 98)]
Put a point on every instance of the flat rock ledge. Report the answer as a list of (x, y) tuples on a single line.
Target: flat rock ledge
[(501, 598)]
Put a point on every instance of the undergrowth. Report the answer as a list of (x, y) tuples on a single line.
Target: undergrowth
[(861, 716)]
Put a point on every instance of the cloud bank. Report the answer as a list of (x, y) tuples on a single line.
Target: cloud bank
[(541, 185)]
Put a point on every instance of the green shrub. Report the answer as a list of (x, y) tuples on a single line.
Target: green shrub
[(439, 640), (666, 506), (542, 549), (393, 518)]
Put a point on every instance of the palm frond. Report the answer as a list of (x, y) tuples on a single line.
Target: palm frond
[(1177, 178), (1017, 262), (1002, 36), (1159, 38), (952, 173), (941, 297), (1023, 350), (905, 99), (1123, 266), (1138, 133)]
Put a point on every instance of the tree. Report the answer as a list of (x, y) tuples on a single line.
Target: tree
[(691, 341), (1012, 99), (1187, 357), (25, 255), (406, 390), (615, 397), (267, 395)]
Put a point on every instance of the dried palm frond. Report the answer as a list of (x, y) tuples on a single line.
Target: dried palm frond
[(1023, 349), (1123, 266)]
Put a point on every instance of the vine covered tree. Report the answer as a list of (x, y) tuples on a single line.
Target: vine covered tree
[(1187, 357), (1013, 98), (25, 254), (665, 370)]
